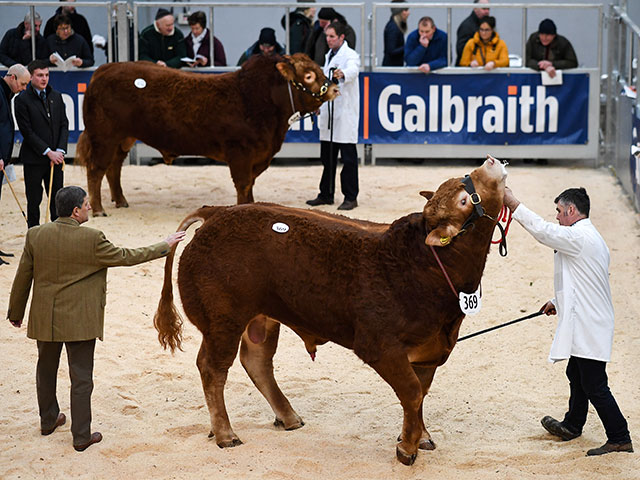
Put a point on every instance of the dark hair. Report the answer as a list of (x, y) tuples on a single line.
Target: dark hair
[(427, 20), (198, 18), (69, 198), (577, 197), (490, 20), (339, 27), (61, 19), (38, 64)]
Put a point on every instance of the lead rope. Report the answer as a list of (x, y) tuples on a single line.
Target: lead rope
[(453, 289)]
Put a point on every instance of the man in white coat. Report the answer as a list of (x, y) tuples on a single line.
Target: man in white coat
[(582, 301), (342, 64)]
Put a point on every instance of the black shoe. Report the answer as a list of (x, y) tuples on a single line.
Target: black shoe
[(319, 200), (554, 427), (3, 254), (348, 205), (611, 447)]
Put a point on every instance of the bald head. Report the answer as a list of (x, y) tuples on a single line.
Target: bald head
[(17, 78)]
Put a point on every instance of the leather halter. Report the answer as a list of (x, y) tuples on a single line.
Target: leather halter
[(323, 89), (478, 210)]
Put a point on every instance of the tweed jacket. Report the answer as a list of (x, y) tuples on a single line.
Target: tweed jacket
[(67, 265)]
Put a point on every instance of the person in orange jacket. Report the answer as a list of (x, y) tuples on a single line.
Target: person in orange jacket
[(486, 48)]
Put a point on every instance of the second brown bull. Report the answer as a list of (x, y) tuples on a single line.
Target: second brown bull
[(240, 118)]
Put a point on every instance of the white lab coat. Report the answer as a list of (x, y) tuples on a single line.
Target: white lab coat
[(581, 282), (346, 113)]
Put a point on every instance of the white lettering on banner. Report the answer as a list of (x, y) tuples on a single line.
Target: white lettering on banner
[(69, 108), (455, 113), (80, 112)]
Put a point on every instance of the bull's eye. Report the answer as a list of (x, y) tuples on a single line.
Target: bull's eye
[(464, 201), (309, 77)]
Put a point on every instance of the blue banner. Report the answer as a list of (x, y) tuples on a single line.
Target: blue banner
[(473, 109)]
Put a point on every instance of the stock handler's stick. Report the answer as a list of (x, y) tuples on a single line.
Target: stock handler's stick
[(50, 186), (500, 326), (15, 196)]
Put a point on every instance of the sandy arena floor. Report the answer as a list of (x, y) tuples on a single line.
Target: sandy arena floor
[(484, 407)]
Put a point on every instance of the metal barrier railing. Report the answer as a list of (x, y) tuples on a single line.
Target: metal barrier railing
[(32, 5)]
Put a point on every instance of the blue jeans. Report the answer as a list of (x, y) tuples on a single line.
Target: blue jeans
[(588, 383)]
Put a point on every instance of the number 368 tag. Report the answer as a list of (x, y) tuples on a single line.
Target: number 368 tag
[(470, 303)]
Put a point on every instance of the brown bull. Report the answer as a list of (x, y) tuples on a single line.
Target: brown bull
[(240, 118), (374, 288)]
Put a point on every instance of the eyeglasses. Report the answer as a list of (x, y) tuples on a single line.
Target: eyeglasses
[(64, 28)]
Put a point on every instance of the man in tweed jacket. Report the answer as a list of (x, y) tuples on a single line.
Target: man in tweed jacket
[(67, 265)]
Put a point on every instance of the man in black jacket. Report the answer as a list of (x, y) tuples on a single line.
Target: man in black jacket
[(16, 43), (548, 51), (41, 117), (469, 27), (78, 23)]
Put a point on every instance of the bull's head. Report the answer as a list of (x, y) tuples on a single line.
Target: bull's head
[(306, 75), (451, 205)]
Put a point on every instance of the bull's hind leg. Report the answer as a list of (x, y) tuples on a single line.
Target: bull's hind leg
[(215, 357), (114, 172), (94, 182), (243, 179), (259, 344)]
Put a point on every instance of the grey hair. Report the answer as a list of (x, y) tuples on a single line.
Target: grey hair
[(36, 17)]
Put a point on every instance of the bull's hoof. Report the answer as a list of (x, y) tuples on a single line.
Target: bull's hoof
[(99, 213), (292, 426), (427, 444), (122, 204), (232, 442), (405, 458)]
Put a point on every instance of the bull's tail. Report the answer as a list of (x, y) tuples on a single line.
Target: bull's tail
[(167, 319), (83, 150)]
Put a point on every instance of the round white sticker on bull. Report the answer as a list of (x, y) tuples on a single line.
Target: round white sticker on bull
[(140, 83), (280, 227), (470, 303)]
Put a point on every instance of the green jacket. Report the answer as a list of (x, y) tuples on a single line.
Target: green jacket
[(67, 265), (154, 46)]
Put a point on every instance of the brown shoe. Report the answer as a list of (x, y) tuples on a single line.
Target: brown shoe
[(554, 427), (96, 437), (611, 447), (348, 205), (61, 420)]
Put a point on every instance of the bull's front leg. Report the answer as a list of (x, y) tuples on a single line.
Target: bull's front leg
[(396, 370), (243, 177), (425, 375)]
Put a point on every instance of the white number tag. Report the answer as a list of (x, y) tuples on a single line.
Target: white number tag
[(280, 227), (470, 303)]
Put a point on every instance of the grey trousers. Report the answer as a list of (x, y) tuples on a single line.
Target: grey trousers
[(80, 356)]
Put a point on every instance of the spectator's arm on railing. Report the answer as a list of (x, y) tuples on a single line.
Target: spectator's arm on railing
[(413, 51)]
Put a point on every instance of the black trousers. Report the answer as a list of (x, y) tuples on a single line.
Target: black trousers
[(80, 357), (588, 383), (348, 175), (34, 177)]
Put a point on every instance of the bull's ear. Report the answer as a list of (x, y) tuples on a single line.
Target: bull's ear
[(441, 237), (286, 70), (428, 194)]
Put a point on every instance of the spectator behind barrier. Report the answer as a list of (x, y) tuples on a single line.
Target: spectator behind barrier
[(300, 25), (197, 43), (394, 32), (548, 51), (66, 43), (78, 23), (317, 47), (468, 28), (16, 43), (426, 47), (161, 42), (266, 45), (486, 48)]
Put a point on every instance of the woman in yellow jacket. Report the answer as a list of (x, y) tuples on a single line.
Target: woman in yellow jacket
[(485, 49)]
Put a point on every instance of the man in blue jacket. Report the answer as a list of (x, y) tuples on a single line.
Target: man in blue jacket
[(426, 47)]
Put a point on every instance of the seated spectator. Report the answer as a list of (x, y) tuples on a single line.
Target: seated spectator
[(16, 43), (300, 25), (468, 28), (197, 43), (548, 51), (316, 46), (486, 48), (426, 47), (394, 32), (266, 45), (66, 43), (161, 42), (78, 23)]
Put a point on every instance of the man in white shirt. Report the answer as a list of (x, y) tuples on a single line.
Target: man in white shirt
[(582, 301)]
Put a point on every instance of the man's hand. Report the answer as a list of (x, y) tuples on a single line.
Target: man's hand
[(473, 63), (490, 65), (338, 74), (548, 308), (551, 71), (544, 64), (53, 59), (1, 164), (424, 41), (76, 62), (176, 237), (55, 157), (510, 199), (201, 61), (17, 323), (161, 63), (424, 68)]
